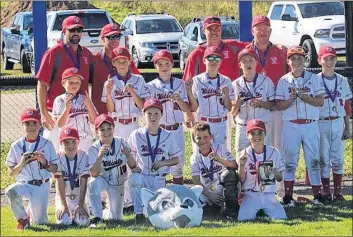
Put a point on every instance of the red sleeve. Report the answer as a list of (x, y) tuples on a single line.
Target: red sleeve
[(134, 69), (348, 108), (192, 65), (46, 67)]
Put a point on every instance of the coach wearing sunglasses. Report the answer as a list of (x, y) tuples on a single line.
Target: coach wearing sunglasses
[(110, 36), (67, 53)]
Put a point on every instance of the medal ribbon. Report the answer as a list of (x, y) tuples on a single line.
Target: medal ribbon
[(112, 152), (72, 175), (170, 82), (153, 154), (35, 146), (262, 60), (248, 89), (328, 93), (68, 52), (211, 171), (108, 65)]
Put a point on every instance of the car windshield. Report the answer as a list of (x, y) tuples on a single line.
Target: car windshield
[(156, 26), (309, 10), (229, 31), (90, 20)]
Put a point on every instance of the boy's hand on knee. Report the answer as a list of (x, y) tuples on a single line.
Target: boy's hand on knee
[(62, 209)]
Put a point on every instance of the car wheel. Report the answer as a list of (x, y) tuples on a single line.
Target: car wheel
[(181, 61), (310, 53), (135, 57), (7, 64), (26, 66)]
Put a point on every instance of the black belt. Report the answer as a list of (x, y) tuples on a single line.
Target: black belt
[(37, 182)]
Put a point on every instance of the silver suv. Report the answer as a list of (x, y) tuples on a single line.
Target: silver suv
[(149, 33)]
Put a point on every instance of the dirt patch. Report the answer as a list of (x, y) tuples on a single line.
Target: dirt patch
[(13, 7)]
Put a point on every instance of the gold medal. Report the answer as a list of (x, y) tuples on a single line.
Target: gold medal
[(213, 188), (334, 109), (72, 196), (262, 188)]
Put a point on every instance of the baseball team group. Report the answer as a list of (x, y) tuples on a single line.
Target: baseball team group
[(93, 142)]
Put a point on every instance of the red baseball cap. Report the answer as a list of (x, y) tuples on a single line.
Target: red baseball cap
[(295, 50), (71, 22), (110, 29), (152, 102), (260, 19), (165, 54), (327, 51), (30, 115), (70, 72), (212, 50), (255, 124), (210, 21), (246, 51), (103, 118), (68, 133), (120, 52)]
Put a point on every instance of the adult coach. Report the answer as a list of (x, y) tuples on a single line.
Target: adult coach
[(212, 28), (67, 53), (273, 64), (110, 36)]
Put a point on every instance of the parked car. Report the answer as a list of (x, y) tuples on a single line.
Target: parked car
[(310, 24), (16, 40), (149, 33), (193, 36)]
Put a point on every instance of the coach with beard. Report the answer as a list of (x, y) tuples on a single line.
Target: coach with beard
[(67, 53)]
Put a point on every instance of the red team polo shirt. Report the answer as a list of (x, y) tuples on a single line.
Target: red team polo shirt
[(229, 66), (47, 64), (275, 62), (101, 73)]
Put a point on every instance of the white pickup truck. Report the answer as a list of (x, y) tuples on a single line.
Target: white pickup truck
[(310, 24)]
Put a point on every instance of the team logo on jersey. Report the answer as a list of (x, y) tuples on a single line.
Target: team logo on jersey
[(119, 95), (111, 164), (205, 172), (163, 98), (303, 89), (77, 111), (85, 59), (76, 20), (145, 151), (225, 54), (332, 94), (209, 92), (244, 94), (274, 60)]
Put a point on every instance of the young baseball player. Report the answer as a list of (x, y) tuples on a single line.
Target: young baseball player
[(255, 97), (31, 160), (299, 95), (260, 166), (210, 93), (73, 109), (154, 150), (211, 167), (334, 123), (124, 95), (108, 158), (172, 94), (71, 179)]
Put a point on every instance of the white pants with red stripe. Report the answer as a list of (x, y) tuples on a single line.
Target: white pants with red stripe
[(177, 170), (254, 201), (38, 197)]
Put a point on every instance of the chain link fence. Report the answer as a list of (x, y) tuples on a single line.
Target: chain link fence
[(19, 93)]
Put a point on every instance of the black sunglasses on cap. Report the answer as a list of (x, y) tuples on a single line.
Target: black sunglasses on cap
[(113, 37), (74, 30)]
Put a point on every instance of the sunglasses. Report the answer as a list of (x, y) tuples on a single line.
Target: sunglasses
[(296, 50), (113, 37), (214, 58), (74, 30)]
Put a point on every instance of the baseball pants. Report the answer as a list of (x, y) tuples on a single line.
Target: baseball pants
[(293, 136), (177, 170), (138, 181), (52, 136), (124, 131), (241, 141), (72, 205), (331, 146), (254, 201), (96, 185), (38, 197)]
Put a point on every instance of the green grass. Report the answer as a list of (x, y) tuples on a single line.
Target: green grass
[(304, 220)]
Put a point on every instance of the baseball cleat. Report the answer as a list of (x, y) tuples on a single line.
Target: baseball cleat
[(22, 224), (94, 222), (318, 200), (288, 201), (338, 198)]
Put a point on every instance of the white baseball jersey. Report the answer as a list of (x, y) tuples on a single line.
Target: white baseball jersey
[(251, 171), (201, 165), (167, 149), (311, 84), (113, 168), (124, 104), (163, 91), (209, 96), (264, 90), (82, 168), (32, 170), (78, 116), (343, 93)]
